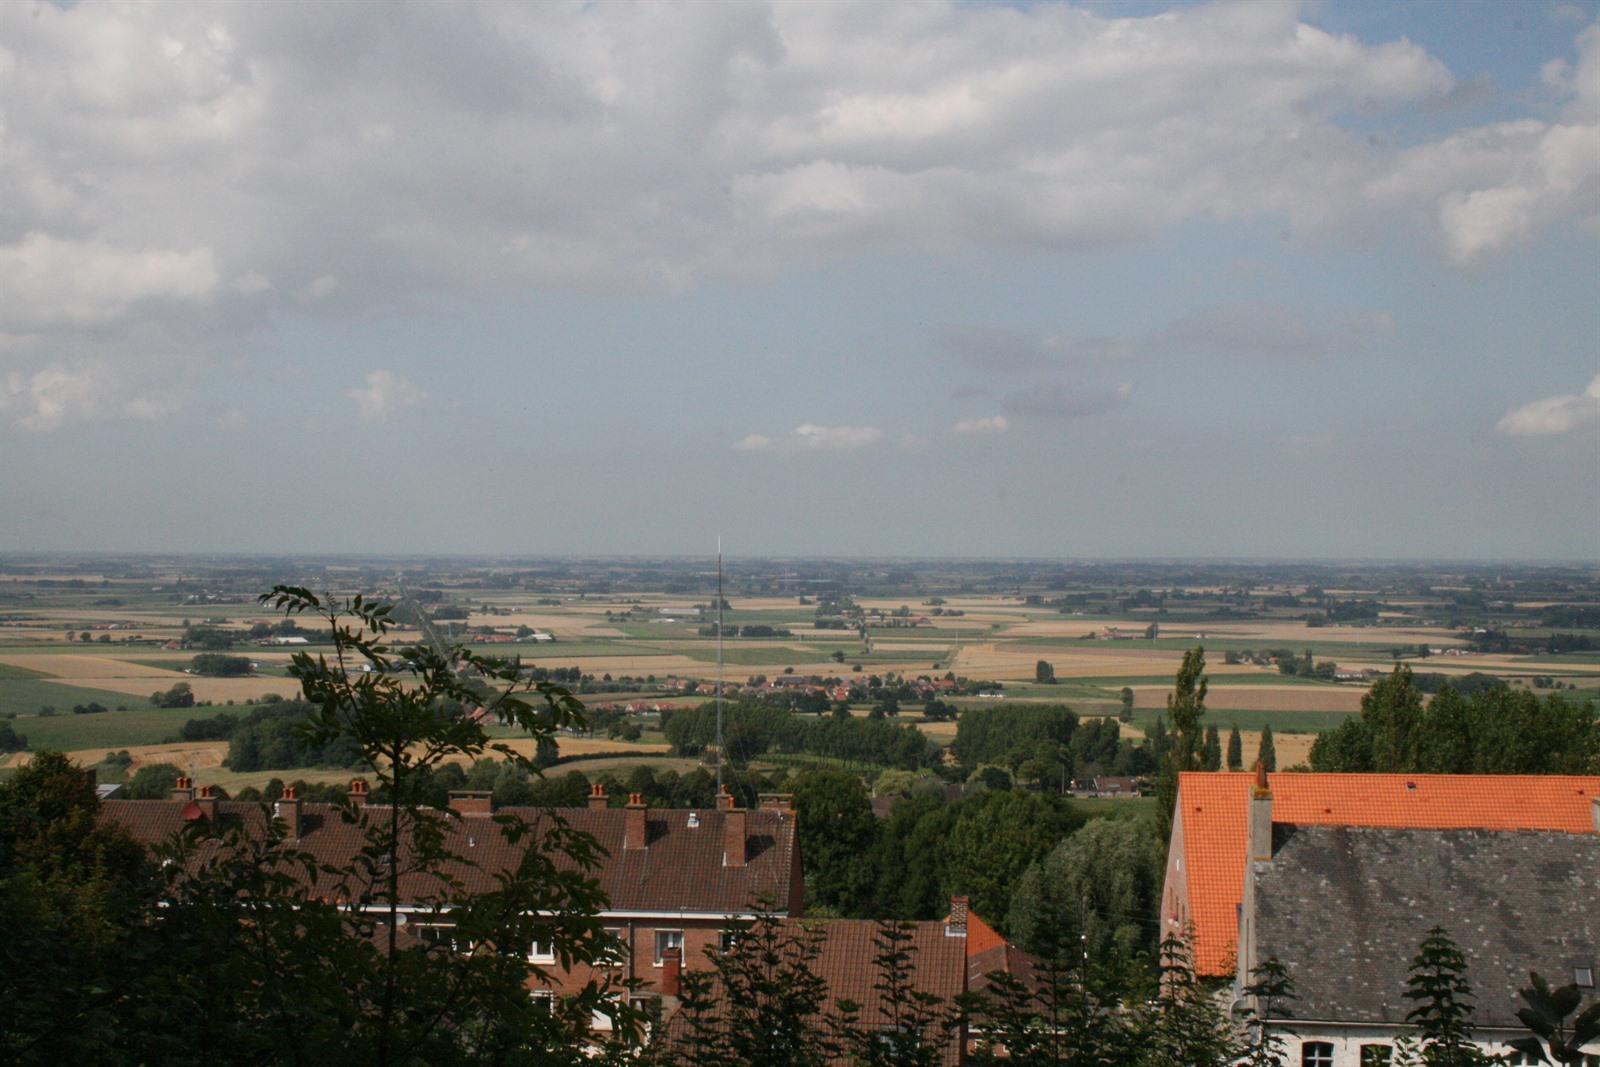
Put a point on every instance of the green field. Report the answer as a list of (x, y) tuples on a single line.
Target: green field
[(113, 729), (25, 696), (8, 673), (1116, 807)]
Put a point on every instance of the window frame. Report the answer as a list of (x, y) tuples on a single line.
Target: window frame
[(1316, 1054), (660, 947)]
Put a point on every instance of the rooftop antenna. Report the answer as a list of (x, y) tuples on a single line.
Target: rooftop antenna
[(719, 665)]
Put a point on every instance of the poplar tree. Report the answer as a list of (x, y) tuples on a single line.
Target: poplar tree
[(1268, 753), (1211, 758), (1235, 750), (1186, 706)]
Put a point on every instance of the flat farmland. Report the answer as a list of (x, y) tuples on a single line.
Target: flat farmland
[(1288, 698)]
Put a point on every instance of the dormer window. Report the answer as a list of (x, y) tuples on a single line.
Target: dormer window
[(1583, 977)]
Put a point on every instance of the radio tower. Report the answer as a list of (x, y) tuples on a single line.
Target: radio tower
[(719, 665)]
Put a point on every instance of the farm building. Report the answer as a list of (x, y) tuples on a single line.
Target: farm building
[(1379, 859)]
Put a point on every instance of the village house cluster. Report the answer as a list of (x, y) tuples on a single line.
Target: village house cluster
[(1337, 876)]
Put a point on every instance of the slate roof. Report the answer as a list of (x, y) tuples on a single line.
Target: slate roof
[(1345, 909), (680, 871), (1215, 834)]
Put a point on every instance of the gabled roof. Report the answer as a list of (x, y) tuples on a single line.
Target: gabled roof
[(680, 871), (1215, 835), (1512, 901)]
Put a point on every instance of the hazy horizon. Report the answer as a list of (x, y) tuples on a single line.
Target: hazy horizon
[(1110, 281)]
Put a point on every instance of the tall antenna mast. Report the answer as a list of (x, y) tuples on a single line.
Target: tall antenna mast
[(719, 665)]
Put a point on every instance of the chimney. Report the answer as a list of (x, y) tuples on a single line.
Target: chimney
[(183, 790), (671, 968), (633, 825), (725, 800), (733, 835), (1260, 816), (358, 792), (777, 801), (598, 801), (208, 802), (472, 801), (956, 925), (1594, 807), (288, 809)]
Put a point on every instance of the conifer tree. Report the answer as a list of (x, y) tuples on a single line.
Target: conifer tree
[(1443, 1013), (1268, 753), (1186, 706), (1211, 755), (1269, 988), (1184, 1027), (1235, 749)]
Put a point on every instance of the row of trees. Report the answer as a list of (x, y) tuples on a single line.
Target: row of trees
[(752, 729), (1494, 730)]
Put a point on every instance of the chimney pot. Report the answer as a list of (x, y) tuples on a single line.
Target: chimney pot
[(288, 809), (183, 789), (777, 801), (635, 831), (734, 833), (207, 802), (956, 925), (597, 796), (358, 792), (472, 801), (671, 970), (725, 800)]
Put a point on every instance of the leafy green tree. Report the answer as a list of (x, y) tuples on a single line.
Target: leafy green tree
[(153, 781), (181, 695), (1437, 984), (1551, 1039), (1268, 752), (217, 665), (1044, 673), (838, 835), (74, 896), (995, 838), (10, 740), (1235, 749), (1126, 714), (1093, 890)]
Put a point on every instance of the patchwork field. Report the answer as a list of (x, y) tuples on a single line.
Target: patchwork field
[(611, 622)]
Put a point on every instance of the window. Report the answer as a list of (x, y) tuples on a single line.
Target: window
[(1583, 977), (1376, 1055), (444, 935), (615, 954), (543, 1001), (1316, 1054), (666, 939), (541, 951), (727, 941)]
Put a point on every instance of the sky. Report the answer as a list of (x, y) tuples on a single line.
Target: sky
[(858, 278)]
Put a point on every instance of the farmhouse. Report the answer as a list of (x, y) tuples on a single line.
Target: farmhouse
[(1508, 865)]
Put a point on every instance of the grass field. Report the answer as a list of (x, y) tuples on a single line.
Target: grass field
[(112, 729), (25, 696)]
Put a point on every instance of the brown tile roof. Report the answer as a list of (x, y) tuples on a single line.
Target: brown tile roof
[(1214, 806), (680, 871)]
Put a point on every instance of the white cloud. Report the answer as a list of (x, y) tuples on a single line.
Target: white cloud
[(57, 394), (498, 147), (386, 394), (1554, 414), (47, 281), (993, 424), (810, 437)]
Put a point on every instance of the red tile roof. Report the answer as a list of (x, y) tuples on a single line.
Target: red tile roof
[(1215, 832), (681, 870)]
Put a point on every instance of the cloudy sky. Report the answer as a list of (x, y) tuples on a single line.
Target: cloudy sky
[(1105, 279)]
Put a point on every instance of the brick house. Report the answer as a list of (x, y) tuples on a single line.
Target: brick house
[(674, 878)]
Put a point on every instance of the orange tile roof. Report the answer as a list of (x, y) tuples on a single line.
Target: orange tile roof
[(981, 937), (1214, 807)]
